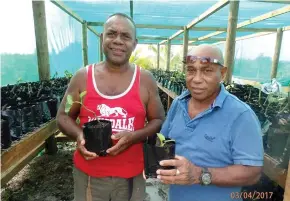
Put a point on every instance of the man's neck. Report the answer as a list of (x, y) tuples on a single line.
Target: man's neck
[(116, 68), (203, 104)]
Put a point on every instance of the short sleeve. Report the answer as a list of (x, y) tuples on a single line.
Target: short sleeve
[(247, 143), (167, 123)]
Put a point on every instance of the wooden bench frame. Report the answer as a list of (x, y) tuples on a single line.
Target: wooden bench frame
[(21, 153)]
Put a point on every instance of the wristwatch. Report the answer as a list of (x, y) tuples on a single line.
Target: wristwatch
[(205, 177)]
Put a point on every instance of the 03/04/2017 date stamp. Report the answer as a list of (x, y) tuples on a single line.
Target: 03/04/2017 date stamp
[(251, 195)]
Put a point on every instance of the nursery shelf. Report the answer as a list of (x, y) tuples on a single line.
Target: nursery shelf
[(21, 153)]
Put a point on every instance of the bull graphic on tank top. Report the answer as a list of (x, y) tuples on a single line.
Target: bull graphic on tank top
[(118, 117)]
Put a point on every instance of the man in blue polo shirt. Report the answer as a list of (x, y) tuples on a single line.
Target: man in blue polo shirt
[(218, 137)]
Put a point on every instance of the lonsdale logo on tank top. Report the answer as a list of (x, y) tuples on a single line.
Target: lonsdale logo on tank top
[(118, 117)]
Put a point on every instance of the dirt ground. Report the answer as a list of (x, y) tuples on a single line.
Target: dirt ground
[(46, 178), (49, 178)]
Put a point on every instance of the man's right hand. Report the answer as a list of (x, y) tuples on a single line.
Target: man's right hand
[(84, 152)]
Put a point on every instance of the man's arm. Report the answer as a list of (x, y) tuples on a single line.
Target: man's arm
[(67, 122), (235, 175)]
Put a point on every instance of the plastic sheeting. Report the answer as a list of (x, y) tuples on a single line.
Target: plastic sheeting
[(93, 48), (178, 13), (283, 73), (17, 49), (64, 41), (254, 58)]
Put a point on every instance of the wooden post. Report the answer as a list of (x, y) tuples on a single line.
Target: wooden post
[(85, 43), (131, 8), (185, 46), (277, 53), (158, 55), (42, 55), (168, 55), (231, 39), (101, 49), (41, 39)]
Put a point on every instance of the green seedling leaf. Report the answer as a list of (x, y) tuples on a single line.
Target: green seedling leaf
[(160, 140), (69, 99), (82, 95), (67, 107)]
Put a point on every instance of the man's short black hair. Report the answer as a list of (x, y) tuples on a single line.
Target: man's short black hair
[(125, 16)]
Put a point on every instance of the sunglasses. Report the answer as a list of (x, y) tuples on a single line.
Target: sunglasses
[(203, 60)]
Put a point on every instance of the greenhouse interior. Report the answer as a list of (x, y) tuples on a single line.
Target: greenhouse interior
[(44, 43)]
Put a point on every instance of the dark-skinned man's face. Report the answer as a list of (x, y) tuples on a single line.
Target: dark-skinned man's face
[(119, 40), (203, 80)]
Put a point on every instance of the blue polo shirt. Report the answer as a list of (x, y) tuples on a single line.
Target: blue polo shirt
[(227, 133)]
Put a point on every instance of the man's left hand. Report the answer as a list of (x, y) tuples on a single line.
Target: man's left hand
[(124, 141), (186, 173)]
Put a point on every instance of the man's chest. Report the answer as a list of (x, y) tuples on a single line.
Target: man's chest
[(205, 140), (122, 85)]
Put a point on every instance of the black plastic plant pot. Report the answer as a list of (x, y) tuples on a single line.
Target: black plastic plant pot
[(97, 136), (52, 105), (154, 154), (5, 133)]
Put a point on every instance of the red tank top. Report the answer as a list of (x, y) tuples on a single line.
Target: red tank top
[(130, 117)]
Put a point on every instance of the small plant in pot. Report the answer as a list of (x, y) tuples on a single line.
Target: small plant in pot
[(97, 133), (156, 149)]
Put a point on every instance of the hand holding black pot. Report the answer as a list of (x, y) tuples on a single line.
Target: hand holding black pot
[(185, 172), (81, 147), (124, 141)]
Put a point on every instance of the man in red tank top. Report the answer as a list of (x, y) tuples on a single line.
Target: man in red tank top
[(127, 96)]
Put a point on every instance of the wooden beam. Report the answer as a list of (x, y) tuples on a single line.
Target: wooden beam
[(175, 35), (168, 55), (94, 32), (231, 40), (216, 7), (131, 9), (247, 37), (260, 18), (101, 48), (67, 10), (172, 27), (219, 5), (185, 45), (85, 44), (287, 185), (179, 39), (158, 55), (287, 28), (41, 39), (276, 53), (167, 91), (18, 155)]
